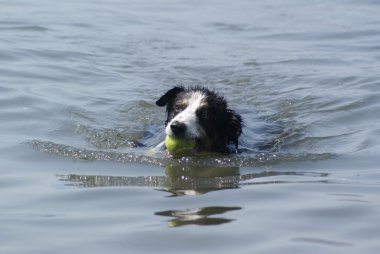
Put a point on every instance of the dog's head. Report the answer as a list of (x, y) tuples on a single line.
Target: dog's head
[(203, 115)]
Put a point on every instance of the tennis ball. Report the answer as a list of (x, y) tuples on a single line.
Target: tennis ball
[(179, 146)]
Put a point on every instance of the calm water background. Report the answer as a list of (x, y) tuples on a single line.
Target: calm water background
[(78, 82)]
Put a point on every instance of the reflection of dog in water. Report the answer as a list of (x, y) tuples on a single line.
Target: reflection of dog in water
[(197, 216), (179, 179), (203, 115)]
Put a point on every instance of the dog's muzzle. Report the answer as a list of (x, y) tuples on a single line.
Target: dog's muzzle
[(178, 128)]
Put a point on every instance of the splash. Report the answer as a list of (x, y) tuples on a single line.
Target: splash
[(91, 155), (246, 159)]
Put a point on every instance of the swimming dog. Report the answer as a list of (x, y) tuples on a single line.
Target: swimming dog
[(201, 114)]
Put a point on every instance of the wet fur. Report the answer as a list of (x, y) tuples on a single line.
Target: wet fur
[(217, 126)]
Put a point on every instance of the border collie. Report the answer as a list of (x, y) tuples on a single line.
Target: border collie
[(199, 113)]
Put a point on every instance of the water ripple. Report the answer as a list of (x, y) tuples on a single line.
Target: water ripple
[(32, 28), (91, 155), (240, 160)]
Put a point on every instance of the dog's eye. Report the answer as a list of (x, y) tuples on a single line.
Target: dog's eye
[(202, 113), (179, 107)]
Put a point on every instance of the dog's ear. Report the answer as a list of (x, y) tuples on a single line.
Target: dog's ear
[(235, 126), (169, 95)]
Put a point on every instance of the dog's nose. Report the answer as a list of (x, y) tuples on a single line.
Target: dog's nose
[(178, 128)]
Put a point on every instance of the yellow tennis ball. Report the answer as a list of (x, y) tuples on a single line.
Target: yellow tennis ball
[(179, 146)]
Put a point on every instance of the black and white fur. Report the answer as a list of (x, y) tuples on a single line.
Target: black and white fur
[(202, 114)]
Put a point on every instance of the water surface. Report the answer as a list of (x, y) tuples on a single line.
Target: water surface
[(78, 82)]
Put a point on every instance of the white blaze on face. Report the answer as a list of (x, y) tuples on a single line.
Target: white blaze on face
[(189, 117)]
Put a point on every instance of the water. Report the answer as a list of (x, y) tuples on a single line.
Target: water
[(78, 82)]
